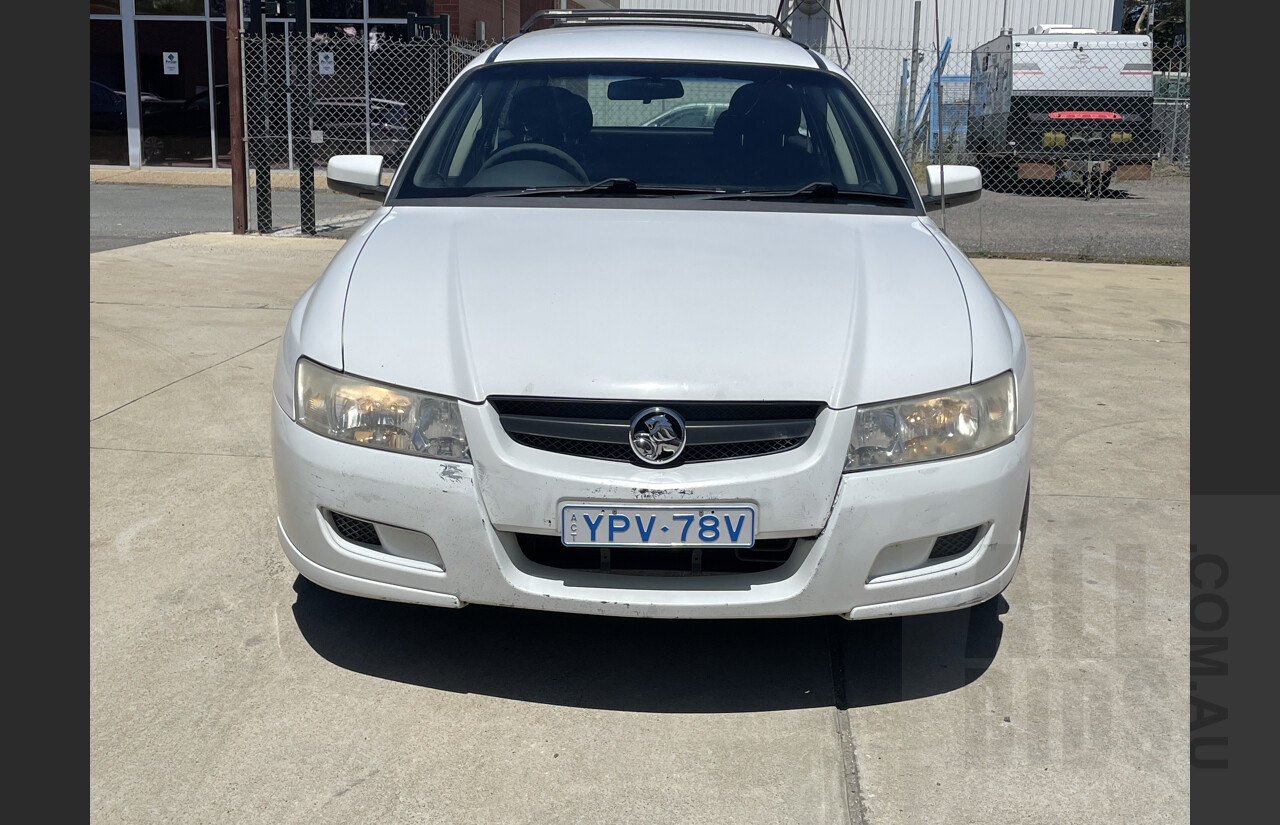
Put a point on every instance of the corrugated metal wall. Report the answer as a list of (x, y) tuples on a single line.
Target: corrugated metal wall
[(968, 23), (890, 23), (879, 35)]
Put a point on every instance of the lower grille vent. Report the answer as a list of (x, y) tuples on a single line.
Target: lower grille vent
[(355, 530), (953, 544), (549, 551)]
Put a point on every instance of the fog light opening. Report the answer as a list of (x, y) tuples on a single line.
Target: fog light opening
[(954, 544)]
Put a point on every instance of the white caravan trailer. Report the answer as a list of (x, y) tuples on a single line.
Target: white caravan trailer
[(1062, 103)]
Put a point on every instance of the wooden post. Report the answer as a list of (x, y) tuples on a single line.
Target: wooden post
[(235, 97)]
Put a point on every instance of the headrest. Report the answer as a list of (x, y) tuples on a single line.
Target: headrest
[(549, 114), (575, 111), (765, 111)]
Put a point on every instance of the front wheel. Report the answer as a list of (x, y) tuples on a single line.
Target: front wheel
[(153, 149), (1026, 513), (1022, 526)]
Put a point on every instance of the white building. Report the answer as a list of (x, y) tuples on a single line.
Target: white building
[(891, 23)]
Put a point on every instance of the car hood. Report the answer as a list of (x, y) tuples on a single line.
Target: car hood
[(662, 304)]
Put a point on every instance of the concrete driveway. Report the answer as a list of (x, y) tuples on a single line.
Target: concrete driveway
[(225, 689)]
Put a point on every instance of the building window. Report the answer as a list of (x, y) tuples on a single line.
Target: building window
[(170, 7), (396, 8), (337, 9)]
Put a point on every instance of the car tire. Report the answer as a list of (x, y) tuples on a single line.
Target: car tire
[(1026, 514), (153, 149), (1022, 535)]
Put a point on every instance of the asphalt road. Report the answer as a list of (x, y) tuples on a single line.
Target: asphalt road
[(122, 214), (1147, 222), (1134, 222)]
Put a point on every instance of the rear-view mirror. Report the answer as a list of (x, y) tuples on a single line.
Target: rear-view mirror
[(646, 89)]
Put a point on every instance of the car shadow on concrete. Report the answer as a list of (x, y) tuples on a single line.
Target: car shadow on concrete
[(652, 665)]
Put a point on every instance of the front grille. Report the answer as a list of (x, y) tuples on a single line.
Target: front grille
[(953, 544), (549, 551), (715, 431), (572, 446), (355, 530)]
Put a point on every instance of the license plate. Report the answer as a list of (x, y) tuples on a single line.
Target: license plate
[(595, 525)]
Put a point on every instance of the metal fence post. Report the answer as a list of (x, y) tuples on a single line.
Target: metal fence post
[(303, 117), (235, 101), (916, 60), (899, 123), (257, 103)]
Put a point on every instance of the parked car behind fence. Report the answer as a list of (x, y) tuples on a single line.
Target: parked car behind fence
[(180, 129), (355, 126)]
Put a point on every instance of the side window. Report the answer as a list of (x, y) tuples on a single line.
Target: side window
[(462, 138), (840, 151), (856, 141), (467, 141)]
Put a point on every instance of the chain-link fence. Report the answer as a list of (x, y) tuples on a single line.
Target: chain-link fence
[(307, 99), (1087, 115), (1067, 120)]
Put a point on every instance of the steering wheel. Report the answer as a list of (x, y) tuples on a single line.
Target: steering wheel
[(537, 151)]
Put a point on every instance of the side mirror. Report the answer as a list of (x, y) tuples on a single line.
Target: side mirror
[(359, 175), (951, 185)]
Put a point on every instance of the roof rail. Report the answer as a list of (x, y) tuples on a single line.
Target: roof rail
[(669, 17)]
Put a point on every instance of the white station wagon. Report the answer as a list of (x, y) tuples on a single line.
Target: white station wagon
[(579, 360)]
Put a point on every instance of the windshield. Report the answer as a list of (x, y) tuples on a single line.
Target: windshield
[(668, 128)]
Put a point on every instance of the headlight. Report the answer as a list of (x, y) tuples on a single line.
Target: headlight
[(948, 424), (362, 412)]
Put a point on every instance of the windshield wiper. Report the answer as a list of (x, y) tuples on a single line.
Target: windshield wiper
[(608, 186), (818, 191)]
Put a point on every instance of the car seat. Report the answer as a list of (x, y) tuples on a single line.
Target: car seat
[(758, 138), (551, 115)]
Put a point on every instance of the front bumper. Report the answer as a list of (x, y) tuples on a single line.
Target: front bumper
[(448, 534)]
